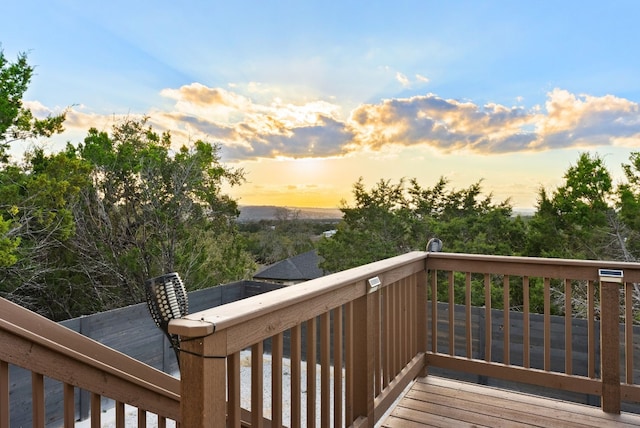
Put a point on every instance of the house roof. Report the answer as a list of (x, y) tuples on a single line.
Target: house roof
[(297, 268)]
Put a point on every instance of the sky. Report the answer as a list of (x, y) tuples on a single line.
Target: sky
[(309, 97)]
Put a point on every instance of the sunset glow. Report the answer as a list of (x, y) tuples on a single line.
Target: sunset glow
[(307, 98)]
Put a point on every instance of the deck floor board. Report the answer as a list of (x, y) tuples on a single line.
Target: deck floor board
[(439, 402)]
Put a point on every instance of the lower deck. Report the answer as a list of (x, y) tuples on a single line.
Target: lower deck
[(439, 402)]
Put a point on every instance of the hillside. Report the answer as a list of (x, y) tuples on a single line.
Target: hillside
[(269, 212)]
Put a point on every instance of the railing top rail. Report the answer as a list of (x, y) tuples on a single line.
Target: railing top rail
[(531, 266), (206, 322), (38, 329)]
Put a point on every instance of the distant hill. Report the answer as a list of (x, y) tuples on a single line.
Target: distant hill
[(269, 212)]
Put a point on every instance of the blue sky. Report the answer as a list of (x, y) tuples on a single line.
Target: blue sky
[(309, 96)]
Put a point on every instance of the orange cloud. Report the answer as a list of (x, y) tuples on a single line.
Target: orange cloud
[(248, 129)]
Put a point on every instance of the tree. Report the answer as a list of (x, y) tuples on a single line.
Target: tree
[(39, 198), (391, 219), (468, 221), (150, 210), (575, 221), (16, 121), (628, 204), (379, 225), (285, 236)]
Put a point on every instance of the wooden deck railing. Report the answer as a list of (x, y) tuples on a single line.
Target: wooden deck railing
[(379, 323), (604, 313), (369, 323), (52, 351), (345, 346)]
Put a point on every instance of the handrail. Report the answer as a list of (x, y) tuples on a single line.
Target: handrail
[(278, 301), (530, 266), (369, 331), (44, 347), (567, 274), (391, 335), (339, 308)]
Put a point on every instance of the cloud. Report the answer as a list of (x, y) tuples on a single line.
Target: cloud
[(272, 128), (443, 124), (566, 121), (407, 83), (404, 81), (587, 121), (249, 130)]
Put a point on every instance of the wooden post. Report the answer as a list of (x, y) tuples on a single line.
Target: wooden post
[(610, 346), (203, 381), (421, 316), (363, 354)]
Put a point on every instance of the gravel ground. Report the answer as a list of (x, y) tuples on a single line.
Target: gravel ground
[(108, 417)]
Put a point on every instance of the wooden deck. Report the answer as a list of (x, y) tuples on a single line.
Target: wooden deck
[(439, 402)]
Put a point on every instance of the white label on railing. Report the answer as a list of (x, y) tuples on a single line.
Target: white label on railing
[(374, 283)]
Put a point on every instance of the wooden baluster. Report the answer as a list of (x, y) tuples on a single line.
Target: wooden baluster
[(96, 410), (4, 394), (393, 332), (413, 316), (377, 346), (325, 367), (257, 385), (69, 405), (628, 332), (568, 324), (337, 367), (276, 380), (119, 414), (452, 316), (434, 311), (233, 404), (467, 307), (591, 329), (142, 418), (387, 337), (296, 392), (348, 363), (37, 399), (312, 348), (421, 315), (526, 338), (488, 328), (404, 327), (378, 378), (547, 324), (506, 321)]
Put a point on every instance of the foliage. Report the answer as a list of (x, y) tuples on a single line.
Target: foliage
[(392, 219), (81, 230), (37, 200), (576, 220), (16, 121), (628, 204), (279, 239), (380, 225), (468, 221), (154, 211)]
